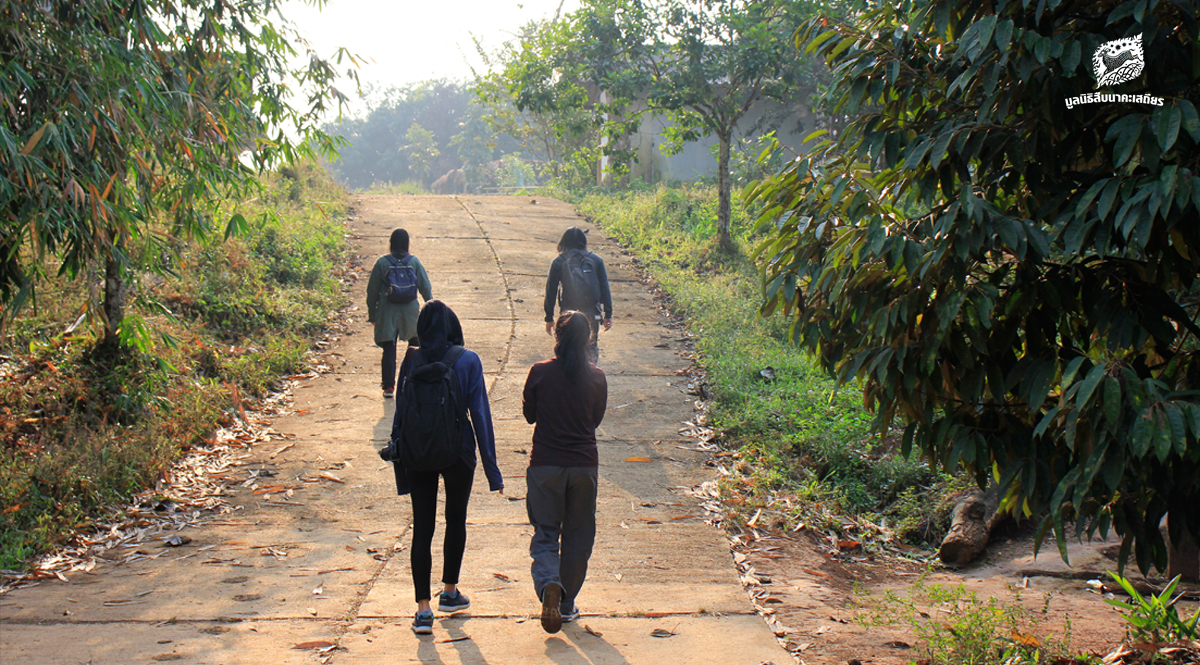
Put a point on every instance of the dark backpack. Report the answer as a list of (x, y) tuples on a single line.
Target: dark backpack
[(427, 434), (401, 281), (580, 281)]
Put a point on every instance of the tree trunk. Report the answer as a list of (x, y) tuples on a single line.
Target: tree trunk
[(971, 525), (115, 292), (1183, 557), (724, 187)]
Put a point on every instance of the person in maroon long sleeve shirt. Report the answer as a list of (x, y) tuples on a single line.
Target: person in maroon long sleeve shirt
[(565, 399)]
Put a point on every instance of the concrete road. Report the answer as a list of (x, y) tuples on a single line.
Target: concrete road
[(329, 566)]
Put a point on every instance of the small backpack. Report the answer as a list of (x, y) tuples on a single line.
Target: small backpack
[(427, 434), (580, 281), (401, 281)]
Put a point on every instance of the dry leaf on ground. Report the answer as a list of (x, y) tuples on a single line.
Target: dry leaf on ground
[(315, 644)]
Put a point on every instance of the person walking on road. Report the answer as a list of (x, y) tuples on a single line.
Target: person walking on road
[(564, 398), (440, 349), (396, 280), (578, 281)]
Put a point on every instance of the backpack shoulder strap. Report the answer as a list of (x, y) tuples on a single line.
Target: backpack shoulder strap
[(391, 259), (452, 355), (415, 360)]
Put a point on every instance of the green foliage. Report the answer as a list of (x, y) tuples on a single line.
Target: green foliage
[(1154, 619), (118, 112), (794, 440), (376, 152), (701, 64), (421, 148), (953, 626), (83, 427), (1013, 283), (536, 92)]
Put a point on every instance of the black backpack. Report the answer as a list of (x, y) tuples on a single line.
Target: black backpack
[(427, 434), (401, 281), (580, 281)]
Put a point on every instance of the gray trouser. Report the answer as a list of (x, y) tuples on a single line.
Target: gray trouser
[(561, 503)]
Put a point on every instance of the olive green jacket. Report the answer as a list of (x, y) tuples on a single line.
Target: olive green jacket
[(394, 321)]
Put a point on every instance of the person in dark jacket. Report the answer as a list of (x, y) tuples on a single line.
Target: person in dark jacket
[(565, 399), (438, 329), (394, 321), (598, 307)]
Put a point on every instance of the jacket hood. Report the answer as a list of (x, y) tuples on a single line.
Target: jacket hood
[(437, 330)]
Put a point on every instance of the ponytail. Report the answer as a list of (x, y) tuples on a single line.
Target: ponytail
[(572, 334)]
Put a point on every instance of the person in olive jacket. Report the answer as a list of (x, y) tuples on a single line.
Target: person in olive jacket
[(394, 321)]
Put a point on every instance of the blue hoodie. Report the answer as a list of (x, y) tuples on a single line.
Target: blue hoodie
[(437, 329)]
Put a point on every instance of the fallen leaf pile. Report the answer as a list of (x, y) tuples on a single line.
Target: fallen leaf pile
[(147, 527), (1175, 653)]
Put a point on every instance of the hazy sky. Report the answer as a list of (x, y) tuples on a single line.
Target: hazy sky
[(405, 42)]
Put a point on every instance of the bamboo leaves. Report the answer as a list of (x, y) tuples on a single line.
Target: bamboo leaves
[(117, 121)]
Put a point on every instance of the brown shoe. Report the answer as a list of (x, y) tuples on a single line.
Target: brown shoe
[(551, 615)]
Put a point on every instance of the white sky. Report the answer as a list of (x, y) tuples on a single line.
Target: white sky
[(406, 42)]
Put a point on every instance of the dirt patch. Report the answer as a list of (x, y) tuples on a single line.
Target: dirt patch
[(817, 596)]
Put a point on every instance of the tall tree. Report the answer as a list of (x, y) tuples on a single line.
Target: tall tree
[(712, 61), (704, 64), (539, 91), (120, 114), (421, 148), (1014, 280)]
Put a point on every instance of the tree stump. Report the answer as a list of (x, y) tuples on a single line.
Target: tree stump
[(971, 525), (1183, 558)]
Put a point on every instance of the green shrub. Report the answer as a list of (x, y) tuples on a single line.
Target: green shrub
[(83, 428)]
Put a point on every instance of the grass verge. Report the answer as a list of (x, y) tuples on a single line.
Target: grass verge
[(805, 454), (81, 429)]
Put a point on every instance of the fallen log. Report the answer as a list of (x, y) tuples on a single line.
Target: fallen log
[(971, 525)]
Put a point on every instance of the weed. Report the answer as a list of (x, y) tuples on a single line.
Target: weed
[(1152, 618), (953, 626), (397, 188)]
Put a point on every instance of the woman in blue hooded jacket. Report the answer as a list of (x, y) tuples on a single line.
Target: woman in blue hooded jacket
[(438, 329)]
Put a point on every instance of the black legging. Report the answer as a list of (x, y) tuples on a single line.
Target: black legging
[(423, 487)]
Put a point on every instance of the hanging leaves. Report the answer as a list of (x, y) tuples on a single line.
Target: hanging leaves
[(1021, 297), (117, 120)]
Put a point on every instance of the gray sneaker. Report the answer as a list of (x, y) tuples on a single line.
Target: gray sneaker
[(423, 623), (569, 612), (456, 603)]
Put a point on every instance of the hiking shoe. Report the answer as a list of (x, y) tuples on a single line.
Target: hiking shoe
[(569, 612), (552, 618), (423, 623), (456, 603), (388, 393)]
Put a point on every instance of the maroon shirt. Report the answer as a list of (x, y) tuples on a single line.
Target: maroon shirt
[(565, 414)]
